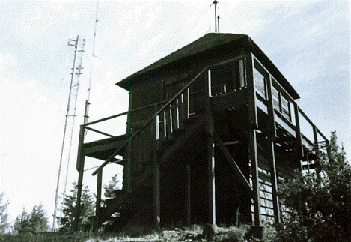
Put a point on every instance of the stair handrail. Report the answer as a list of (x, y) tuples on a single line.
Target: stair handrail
[(170, 101)]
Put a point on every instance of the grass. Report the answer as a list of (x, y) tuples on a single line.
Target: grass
[(192, 233)]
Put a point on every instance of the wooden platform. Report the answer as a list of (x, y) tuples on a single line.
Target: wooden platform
[(103, 148)]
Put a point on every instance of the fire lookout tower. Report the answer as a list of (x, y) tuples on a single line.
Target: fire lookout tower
[(212, 129)]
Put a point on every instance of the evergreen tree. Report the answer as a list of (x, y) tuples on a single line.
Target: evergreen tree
[(319, 206), (3, 214), (22, 224), (112, 188), (69, 210), (38, 219), (34, 222)]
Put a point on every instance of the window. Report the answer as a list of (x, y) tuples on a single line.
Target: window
[(275, 97), (260, 83), (285, 105), (222, 79), (241, 77), (227, 78)]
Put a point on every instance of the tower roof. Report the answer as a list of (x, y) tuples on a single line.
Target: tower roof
[(206, 43)]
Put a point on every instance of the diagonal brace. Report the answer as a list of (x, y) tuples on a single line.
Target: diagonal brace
[(233, 164)]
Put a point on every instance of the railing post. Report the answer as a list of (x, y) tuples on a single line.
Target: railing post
[(174, 115), (186, 103), (298, 138), (209, 83), (157, 133), (181, 108), (163, 126), (316, 150), (168, 119)]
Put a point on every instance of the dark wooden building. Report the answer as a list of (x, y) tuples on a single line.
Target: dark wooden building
[(211, 129)]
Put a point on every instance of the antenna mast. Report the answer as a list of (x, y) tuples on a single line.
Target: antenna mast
[(87, 103), (69, 126), (215, 2)]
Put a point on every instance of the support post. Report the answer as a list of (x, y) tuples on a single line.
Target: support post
[(156, 175), (156, 193), (257, 229), (98, 199), (188, 195), (271, 137), (254, 177), (211, 181), (80, 167), (129, 134), (210, 156)]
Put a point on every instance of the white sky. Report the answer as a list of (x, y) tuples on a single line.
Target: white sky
[(309, 41)]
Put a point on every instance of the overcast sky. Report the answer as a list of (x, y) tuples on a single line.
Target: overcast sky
[(309, 41)]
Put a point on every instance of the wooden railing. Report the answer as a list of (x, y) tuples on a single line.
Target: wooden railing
[(173, 113), (172, 116), (304, 129)]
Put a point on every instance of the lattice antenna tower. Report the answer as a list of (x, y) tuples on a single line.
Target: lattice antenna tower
[(69, 125)]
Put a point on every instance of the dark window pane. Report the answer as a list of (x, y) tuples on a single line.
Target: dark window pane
[(260, 83)]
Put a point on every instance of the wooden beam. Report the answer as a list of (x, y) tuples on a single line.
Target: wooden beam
[(80, 167), (233, 164), (98, 200), (311, 123), (128, 146), (252, 146), (210, 156), (99, 132), (252, 109), (254, 177), (271, 153), (188, 195), (124, 113), (211, 181), (316, 150), (156, 175), (299, 147), (156, 194), (81, 151)]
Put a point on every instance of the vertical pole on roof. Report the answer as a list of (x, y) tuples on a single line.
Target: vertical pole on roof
[(218, 24), (215, 2)]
